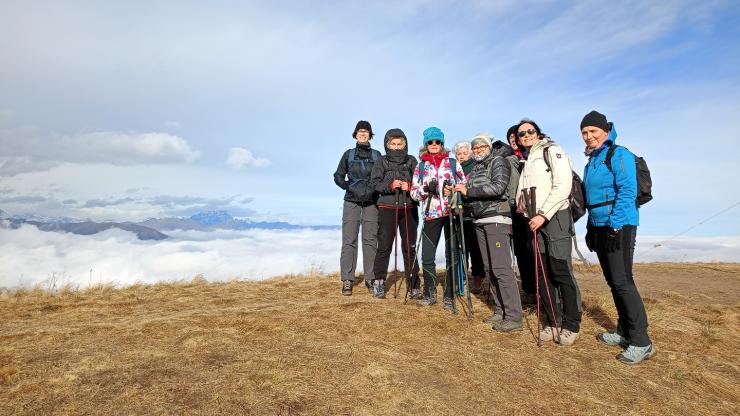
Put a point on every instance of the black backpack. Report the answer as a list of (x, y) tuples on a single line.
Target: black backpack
[(374, 155), (644, 182), (577, 199)]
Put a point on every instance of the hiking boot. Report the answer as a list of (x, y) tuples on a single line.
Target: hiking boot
[(415, 294), (612, 339), (635, 355), (347, 287), (547, 334), (493, 318), (428, 301), (506, 325), (379, 289), (369, 286), (448, 305), (568, 337)]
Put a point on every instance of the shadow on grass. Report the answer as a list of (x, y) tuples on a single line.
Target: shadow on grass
[(599, 315)]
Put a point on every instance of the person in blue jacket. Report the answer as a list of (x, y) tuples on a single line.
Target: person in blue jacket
[(613, 218)]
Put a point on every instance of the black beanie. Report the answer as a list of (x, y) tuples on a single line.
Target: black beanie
[(595, 119), (363, 125)]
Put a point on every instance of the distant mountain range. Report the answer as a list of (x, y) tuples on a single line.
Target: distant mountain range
[(152, 228)]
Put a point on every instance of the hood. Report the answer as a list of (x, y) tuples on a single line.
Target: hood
[(395, 133), (502, 149)]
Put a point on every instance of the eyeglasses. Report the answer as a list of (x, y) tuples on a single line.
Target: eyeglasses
[(433, 142), (479, 147), (526, 132)]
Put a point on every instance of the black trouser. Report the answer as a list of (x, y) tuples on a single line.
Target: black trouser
[(523, 251), (405, 221), (431, 233), (617, 266), (471, 245), (555, 249)]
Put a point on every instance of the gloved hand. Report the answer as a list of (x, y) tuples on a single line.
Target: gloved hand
[(590, 239), (431, 187), (612, 240)]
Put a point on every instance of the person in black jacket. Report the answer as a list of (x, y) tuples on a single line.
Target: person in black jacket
[(352, 175), (486, 195), (391, 179)]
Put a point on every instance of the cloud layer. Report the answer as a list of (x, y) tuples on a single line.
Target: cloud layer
[(31, 257)]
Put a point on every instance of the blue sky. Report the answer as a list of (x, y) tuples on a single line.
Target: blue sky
[(130, 110)]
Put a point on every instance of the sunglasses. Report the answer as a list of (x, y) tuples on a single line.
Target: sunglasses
[(433, 142), (526, 132)]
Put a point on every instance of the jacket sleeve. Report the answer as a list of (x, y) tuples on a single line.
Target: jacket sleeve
[(562, 181), (378, 181), (417, 185), (625, 182), (340, 175), (495, 185)]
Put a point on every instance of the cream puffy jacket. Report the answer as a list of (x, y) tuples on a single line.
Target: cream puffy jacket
[(553, 188)]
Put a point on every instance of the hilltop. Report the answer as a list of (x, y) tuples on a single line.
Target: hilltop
[(294, 345)]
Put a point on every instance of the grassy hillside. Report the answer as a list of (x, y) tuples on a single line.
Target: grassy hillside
[(294, 345)]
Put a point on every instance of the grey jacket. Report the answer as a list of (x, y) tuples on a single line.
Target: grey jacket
[(487, 196)]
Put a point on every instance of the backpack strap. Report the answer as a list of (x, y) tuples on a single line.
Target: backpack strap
[(609, 156)]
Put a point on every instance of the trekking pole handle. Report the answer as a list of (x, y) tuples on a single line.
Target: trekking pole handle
[(533, 205)]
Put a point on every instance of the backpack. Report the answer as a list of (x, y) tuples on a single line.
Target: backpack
[(374, 155), (644, 182), (576, 199)]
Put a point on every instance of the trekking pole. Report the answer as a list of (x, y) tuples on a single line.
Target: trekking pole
[(538, 262), (451, 274), (416, 251), (395, 249), (464, 254), (530, 214)]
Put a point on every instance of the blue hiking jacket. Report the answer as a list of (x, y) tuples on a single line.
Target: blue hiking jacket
[(618, 185)]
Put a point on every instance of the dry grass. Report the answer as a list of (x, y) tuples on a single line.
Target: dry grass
[(295, 346)]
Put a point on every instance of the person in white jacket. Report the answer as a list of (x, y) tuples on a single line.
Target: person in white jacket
[(548, 169)]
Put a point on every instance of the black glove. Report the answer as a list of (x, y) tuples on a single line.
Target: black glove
[(612, 240), (590, 239), (431, 187)]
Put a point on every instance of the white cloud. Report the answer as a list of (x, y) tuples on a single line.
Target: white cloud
[(31, 257), (29, 149), (240, 158)]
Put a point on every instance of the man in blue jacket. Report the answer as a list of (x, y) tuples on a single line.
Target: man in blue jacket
[(613, 217)]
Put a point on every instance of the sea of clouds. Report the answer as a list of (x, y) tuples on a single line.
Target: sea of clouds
[(50, 260)]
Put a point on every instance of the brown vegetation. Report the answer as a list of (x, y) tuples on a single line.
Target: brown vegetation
[(294, 345)]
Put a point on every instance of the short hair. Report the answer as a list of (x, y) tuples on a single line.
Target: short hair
[(460, 145), (396, 138)]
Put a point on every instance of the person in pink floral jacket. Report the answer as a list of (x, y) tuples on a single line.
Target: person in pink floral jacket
[(432, 185)]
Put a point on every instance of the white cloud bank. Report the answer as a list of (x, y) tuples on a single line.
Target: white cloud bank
[(240, 158), (29, 149), (29, 257)]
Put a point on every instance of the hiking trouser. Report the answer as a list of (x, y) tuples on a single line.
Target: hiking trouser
[(471, 245), (408, 221), (555, 247), (522, 238), (355, 215), (495, 249), (432, 231), (632, 320)]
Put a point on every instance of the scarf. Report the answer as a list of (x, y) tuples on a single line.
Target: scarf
[(435, 159)]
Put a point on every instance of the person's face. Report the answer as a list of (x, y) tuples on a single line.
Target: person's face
[(463, 154), (512, 141), (527, 135), (396, 144), (434, 146), (481, 150), (362, 136), (594, 137)]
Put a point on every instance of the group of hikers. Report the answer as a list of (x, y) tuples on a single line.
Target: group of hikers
[(512, 199)]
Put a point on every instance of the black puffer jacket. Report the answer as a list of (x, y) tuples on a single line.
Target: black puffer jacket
[(396, 164), (354, 177), (487, 196)]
